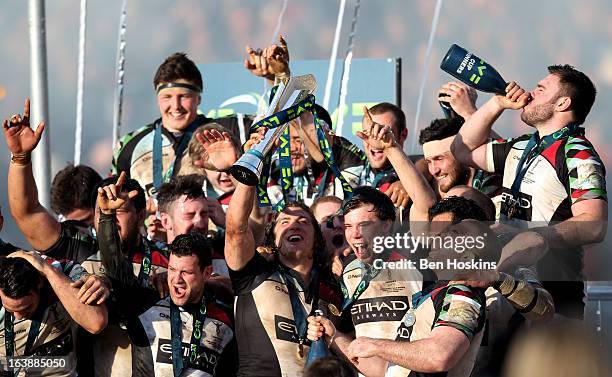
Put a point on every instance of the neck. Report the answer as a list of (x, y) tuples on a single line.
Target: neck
[(551, 127), (302, 266)]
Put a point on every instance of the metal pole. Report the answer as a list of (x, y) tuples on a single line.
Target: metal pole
[(119, 75), (78, 132), (39, 97)]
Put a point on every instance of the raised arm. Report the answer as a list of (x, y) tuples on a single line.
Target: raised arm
[(469, 146), (38, 226), (92, 318), (417, 187)]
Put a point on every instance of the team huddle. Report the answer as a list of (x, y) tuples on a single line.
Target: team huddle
[(369, 261)]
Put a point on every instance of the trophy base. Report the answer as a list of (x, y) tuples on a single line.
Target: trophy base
[(244, 175)]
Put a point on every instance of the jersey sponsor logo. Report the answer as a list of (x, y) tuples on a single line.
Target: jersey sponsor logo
[(378, 309), (523, 208), (281, 288), (285, 329), (206, 361)]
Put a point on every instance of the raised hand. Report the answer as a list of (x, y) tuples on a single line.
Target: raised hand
[(376, 135), (277, 57), (219, 150), (19, 136), (461, 98), (515, 98), (257, 64), (111, 198), (255, 138)]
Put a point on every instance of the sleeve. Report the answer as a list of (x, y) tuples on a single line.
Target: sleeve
[(497, 151), (462, 308), (346, 154), (587, 173), (117, 267), (251, 275)]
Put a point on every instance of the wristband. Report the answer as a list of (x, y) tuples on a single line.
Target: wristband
[(21, 159)]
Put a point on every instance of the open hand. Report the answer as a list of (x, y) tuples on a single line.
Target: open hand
[(219, 150), (111, 198)]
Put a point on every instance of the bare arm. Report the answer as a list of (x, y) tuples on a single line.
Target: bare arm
[(40, 228), (438, 353), (239, 242), (469, 145)]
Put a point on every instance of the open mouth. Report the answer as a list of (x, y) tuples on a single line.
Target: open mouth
[(377, 153), (179, 291), (295, 238)]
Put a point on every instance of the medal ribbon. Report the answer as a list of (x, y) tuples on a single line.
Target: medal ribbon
[(176, 333)]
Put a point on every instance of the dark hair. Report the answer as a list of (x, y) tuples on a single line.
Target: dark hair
[(72, 187), (192, 244), (189, 185), (139, 201), (364, 195), (400, 117), (178, 66), (329, 366), (323, 115), (578, 87), (319, 241), (325, 199), (461, 208), (19, 277), (440, 129)]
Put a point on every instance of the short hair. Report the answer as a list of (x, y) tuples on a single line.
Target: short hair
[(329, 366), (400, 117), (19, 277), (364, 195), (139, 201), (319, 241), (189, 185), (178, 66), (72, 187), (461, 208), (325, 199), (478, 197), (578, 87), (195, 148), (440, 129), (192, 244)]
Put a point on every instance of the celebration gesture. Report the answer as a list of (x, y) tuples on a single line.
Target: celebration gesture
[(219, 150), (271, 62), (462, 98), (20, 138), (111, 198), (376, 135)]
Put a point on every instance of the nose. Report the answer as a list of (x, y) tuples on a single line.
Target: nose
[(434, 168)]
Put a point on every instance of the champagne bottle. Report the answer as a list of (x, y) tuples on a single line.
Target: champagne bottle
[(318, 348), (472, 70)]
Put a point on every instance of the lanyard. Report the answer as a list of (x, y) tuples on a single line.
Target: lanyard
[(9, 333), (176, 333), (478, 180), (366, 174), (145, 264), (535, 147), (370, 273), (158, 175)]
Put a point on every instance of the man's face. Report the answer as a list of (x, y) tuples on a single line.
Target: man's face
[(447, 171), (361, 225), (186, 279), (178, 107), (376, 157), (294, 233), (84, 215), (128, 221), (298, 161), (333, 230), (186, 215), (221, 181), (22, 307), (543, 101)]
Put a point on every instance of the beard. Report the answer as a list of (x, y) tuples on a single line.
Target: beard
[(458, 176), (539, 114)]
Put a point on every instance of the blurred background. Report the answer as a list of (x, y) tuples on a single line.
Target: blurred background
[(520, 38)]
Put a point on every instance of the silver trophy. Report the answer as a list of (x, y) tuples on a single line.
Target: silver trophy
[(248, 168)]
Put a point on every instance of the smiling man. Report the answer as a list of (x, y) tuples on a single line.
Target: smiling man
[(178, 84)]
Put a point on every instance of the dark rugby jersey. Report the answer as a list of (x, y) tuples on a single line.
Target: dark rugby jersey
[(457, 306), (76, 242), (265, 327), (568, 171), (57, 332), (7, 248), (379, 311), (134, 152)]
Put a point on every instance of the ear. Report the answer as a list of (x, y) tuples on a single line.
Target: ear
[(166, 220), (564, 104), (208, 270), (199, 99)]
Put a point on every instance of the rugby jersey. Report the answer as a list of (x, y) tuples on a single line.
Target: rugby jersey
[(266, 331), (57, 332)]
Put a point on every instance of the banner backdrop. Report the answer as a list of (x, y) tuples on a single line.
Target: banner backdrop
[(229, 88)]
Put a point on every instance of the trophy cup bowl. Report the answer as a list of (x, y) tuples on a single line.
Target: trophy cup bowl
[(247, 170)]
